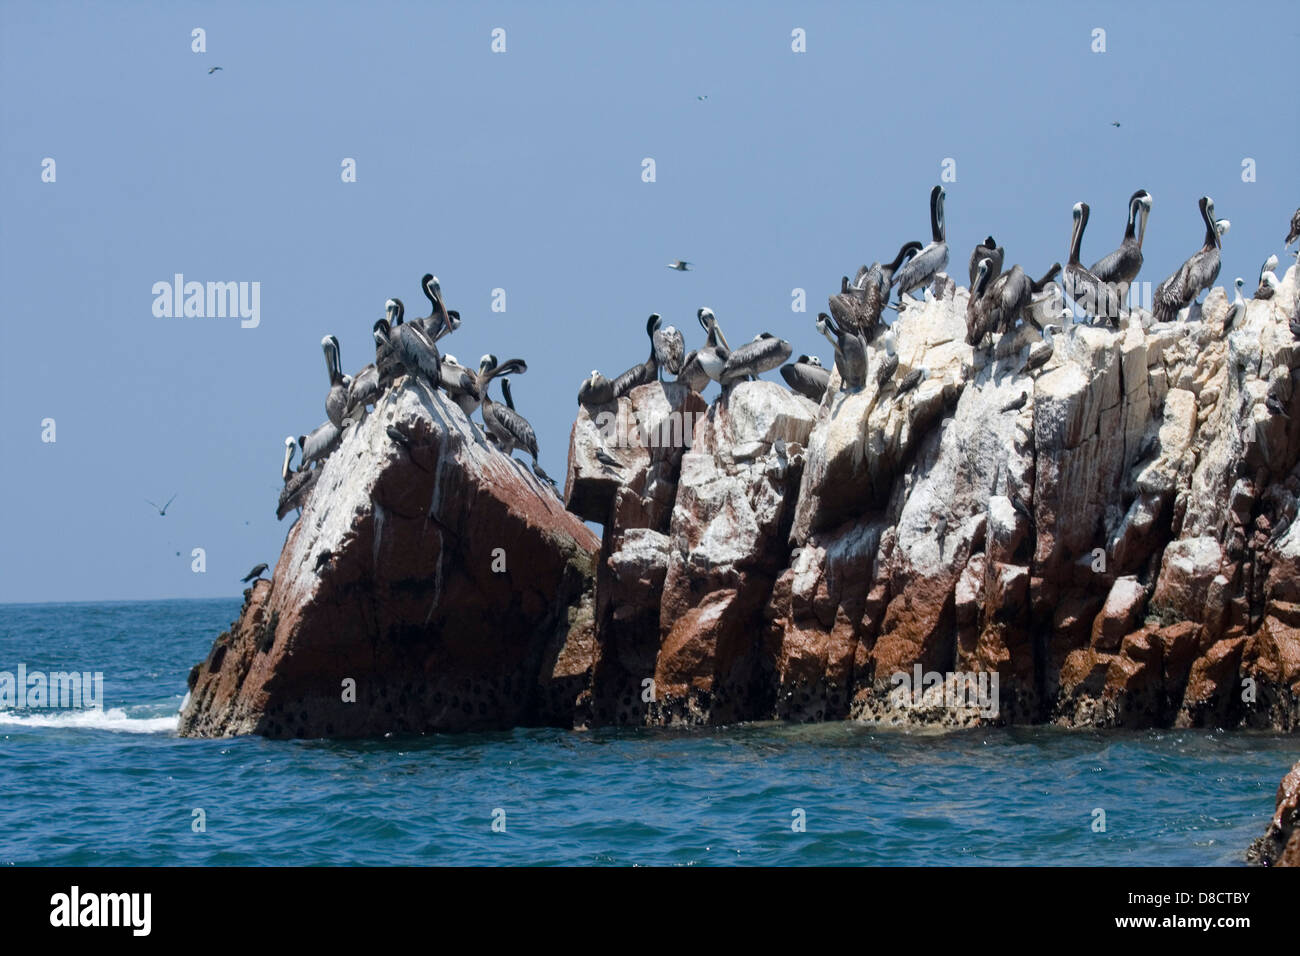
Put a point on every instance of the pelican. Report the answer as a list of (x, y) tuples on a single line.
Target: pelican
[(1238, 307), (438, 322), (258, 569), (1196, 274), (336, 401), (874, 283), (713, 356), (988, 249), (297, 484), (848, 306), (806, 376), (693, 375), (668, 348), (363, 391), (1267, 280), (643, 372), (995, 306), (510, 429), (1121, 267), (595, 391), (931, 260), (754, 358), (413, 348), (1293, 233), (1096, 298), (386, 360), (460, 383), (319, 444), (850, 352)]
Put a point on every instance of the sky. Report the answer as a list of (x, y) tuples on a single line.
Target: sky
[(522, 170)]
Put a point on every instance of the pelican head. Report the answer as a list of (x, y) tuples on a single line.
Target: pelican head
[(487, 363), (936, 210), (706, 317), (453, 320), (982, 273), (652, 323), (450, 359), (395, 311), (1139, 206)]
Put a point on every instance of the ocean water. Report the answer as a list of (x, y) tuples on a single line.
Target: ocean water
[(119, 787)]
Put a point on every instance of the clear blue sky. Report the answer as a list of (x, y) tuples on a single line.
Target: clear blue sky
[(523, 171)]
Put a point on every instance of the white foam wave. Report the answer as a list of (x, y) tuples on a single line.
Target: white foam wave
[(114, 719)]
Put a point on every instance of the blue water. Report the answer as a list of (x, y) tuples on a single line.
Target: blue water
[(120, 787)]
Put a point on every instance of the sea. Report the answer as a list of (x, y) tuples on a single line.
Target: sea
[(117, 786)]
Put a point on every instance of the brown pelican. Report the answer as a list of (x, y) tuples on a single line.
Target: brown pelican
[(319, 444), (850, 352), (1095, 297), (1121, 267), (1267, 280), (595, 391), (297, 484), (437, 323), (995, 306), (988, 249), (642, 372), (1196, 274), (386, 360), (460, 383), (336, 401), (931, 260), (806, 376), (363, 391), (510, 429), (754, 358), (258, 569), (1238, 307), (693, 375), (713, 356), (413, 348), (669, 347), (874, 285), (1293, 233)]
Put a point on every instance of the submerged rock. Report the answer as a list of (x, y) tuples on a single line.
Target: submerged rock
[(429, 585)]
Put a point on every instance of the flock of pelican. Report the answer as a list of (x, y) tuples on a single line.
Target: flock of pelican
[(1000, 302), (406, 352)]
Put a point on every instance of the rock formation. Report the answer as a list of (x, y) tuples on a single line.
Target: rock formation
[(435, 585), (1280, 844), (1110, 536)]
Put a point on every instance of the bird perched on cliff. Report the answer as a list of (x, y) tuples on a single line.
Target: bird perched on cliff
[(297, 484), (1195, 275), (1238, 307), (1041, 352), (806, 377), (988, 249), (681, 265), (398, 436), (1095, 298), (713, 356), (643, 372), (888, 362), (1016, 403), (754, 358), (1293, 233), (995, 306), (1267, 280), (873, 283), (850, 352), (510, 429), (319, 444), (162, 512), (596, 390), (931, 260), (386, 361), (1122, 266), (336, 400), (258, 569), (669, 348), (911, 381), (692, 374), (412, 347), (460, 383)]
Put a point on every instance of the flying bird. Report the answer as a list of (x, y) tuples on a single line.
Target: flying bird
[(1114, 123), (254, 574), (162, 512), (213, 70), (681, 265)]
